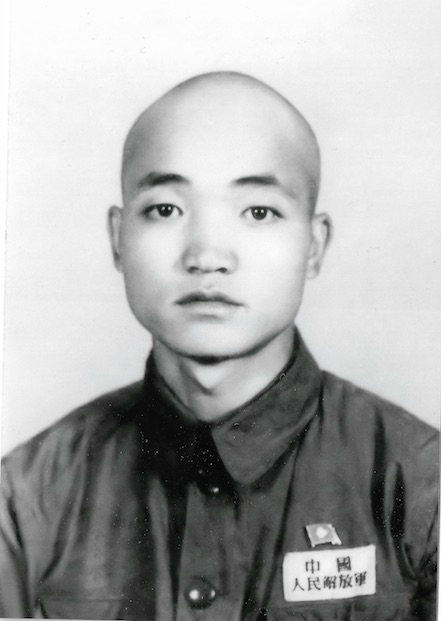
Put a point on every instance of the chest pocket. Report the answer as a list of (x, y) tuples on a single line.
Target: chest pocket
[(66, 608), (389, 608)]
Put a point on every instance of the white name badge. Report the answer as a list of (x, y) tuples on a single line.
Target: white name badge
[(329, 574)]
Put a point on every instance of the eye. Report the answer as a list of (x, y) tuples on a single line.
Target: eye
[(164, 210), (262, 214)]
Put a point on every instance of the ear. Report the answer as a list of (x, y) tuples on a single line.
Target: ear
[(321, 234), (114, 217)]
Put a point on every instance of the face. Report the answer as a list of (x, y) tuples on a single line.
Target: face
[(216, 238)]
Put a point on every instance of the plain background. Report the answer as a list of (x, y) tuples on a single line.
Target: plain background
[(367, 77)]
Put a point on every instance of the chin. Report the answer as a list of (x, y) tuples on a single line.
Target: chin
[(215, 348), (209, 353)]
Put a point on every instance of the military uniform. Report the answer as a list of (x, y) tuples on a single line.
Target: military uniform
[(315, 501)]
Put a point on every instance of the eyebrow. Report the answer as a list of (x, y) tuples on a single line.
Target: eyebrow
[(259, 180), (154, 179)]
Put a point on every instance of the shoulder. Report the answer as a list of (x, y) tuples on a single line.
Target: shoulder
[(388, 460), (359, 410), (379, 436), (43, 459)]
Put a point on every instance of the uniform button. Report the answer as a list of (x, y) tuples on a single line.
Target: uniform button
[(205, 485), (200, 593), (213, 489)]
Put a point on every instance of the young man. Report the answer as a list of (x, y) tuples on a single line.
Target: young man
[(238, 481)]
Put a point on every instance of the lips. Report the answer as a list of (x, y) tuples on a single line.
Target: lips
[(197, 297)]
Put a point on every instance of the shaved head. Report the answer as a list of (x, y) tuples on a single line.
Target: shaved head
[(220, 179), (226, 98)]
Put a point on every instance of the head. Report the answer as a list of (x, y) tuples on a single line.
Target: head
[(218, 230)]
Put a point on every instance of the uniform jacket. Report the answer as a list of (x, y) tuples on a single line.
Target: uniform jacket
[(314, 501)]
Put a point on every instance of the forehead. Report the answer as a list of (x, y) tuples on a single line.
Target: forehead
[(217, 138)]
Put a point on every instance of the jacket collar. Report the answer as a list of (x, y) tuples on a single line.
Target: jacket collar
[(251, 438)]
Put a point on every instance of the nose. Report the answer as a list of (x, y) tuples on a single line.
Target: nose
[(209, 248)]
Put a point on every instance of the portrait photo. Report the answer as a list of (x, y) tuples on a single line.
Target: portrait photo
[(222, 302)]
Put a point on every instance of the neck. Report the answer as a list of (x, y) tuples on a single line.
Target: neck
[(211, 388)]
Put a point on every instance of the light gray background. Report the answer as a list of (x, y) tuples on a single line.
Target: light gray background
[(367, 77)]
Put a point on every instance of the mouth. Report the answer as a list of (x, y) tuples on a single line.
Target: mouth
[(206, 298)]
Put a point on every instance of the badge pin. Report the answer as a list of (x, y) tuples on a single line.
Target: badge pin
[(322, 533)]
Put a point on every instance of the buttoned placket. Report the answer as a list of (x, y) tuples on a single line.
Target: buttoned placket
[(233, 522), (228, 559)]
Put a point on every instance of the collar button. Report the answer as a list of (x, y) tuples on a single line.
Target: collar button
[(209, 488), (213, 489), (206, 484)]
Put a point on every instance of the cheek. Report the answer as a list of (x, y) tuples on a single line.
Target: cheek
[(145, 255), (144, 266), (280, 264)]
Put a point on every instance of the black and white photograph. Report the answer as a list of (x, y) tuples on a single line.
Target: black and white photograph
[(222, 311)]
